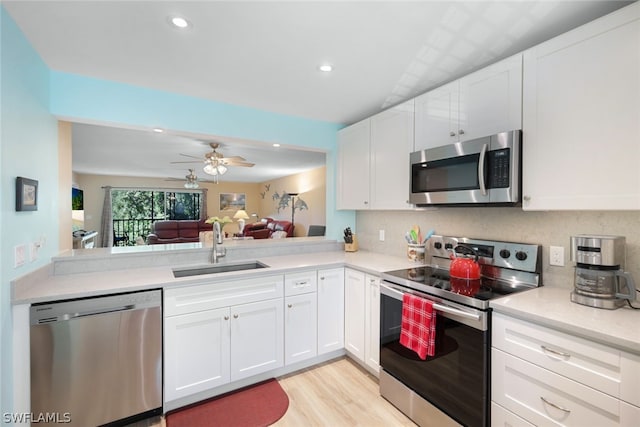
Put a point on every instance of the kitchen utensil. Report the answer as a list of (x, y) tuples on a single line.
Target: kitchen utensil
[(414, 235), (463, 267), (429, 234)]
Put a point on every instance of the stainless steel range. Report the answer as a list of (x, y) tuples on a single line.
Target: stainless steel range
[(451, 387)]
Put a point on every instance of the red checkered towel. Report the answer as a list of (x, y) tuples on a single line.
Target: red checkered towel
[(418, 331)]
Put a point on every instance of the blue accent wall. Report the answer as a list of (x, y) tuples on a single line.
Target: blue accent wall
[(28, 148)]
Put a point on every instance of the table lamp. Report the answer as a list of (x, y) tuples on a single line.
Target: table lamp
[(241, 216)]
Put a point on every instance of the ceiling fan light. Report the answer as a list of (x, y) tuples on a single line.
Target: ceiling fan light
[(191, 184), (222, 169), (210, 169)]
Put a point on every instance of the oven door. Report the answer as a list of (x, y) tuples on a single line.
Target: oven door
[(456, 379)]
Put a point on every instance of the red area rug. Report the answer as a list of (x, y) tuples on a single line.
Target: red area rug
[(261, 404)]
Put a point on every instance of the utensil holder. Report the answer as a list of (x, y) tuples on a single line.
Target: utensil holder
[(352, 247), (415, 252)]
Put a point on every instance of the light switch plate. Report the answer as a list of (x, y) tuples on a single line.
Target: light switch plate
[(381, 235)]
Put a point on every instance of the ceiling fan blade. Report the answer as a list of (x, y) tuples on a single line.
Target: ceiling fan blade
[(235, 158), (188, 161), (188, 155), (244, 164)]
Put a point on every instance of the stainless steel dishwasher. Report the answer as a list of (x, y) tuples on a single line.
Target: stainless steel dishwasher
[(97, 361)]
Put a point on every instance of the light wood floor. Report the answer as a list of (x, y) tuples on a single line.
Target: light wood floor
[(337, 393)]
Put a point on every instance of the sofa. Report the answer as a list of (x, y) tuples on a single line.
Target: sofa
[(266, 228), (177, 231)]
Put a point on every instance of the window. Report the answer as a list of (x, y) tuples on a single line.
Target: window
[(134, 211)]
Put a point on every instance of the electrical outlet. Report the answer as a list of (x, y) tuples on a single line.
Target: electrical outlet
[(556, 256), (19, 255), (381, 235)]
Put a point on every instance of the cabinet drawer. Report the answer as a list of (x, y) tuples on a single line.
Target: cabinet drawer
[(587, 362), (545, 398), (300, 283), (209, 296), (500, 417)]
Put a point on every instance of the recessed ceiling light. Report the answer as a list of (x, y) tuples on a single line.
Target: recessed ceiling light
[(158, 130), (179, 22), (276, 145), (325, 68)]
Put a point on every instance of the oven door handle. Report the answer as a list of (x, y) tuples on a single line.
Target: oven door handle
[(397, 294)]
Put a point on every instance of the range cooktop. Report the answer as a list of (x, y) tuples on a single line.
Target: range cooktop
[(506, 268)]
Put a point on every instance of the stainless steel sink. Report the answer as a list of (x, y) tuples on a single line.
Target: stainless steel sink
[(217, 268)]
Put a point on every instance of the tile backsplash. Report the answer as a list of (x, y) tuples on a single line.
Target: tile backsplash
[(508, 224)]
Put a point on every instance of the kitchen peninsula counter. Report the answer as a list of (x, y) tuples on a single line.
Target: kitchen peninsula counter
[(89, 273), (550, 306)]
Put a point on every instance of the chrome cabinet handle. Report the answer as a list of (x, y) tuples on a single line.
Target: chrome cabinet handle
[(321, 277), (461, 132), (226, 317), (452, 133), (289, 305), (366, 203), (556, 352), (235, 316), (527, 198), (568, 411)]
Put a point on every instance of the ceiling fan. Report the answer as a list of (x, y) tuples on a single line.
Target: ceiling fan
[(191, 180), (215, 163)]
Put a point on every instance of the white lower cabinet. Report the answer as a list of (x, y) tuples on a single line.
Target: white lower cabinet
[(547, 377), (257, 339), (218, 343), (331, 310), (500, 417), (354, 317), (300, 317), (362, 318), (197, 352), (372, 322)]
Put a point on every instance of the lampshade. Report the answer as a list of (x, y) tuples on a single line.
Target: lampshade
[(241, 214), (191, 184)]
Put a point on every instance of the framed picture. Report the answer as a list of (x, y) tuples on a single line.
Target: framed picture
[(26, 194), (232, 201)]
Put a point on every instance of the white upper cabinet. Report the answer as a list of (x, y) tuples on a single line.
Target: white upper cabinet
[(480, 104), (353, 166), (581, 106), (391, 144), (373, 161)]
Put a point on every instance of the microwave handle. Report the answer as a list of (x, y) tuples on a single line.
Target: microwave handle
[(483, 152)]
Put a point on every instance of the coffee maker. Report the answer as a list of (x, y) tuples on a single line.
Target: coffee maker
[(600, 279)]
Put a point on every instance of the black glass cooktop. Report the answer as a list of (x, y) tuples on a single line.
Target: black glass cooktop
[(425, 278)]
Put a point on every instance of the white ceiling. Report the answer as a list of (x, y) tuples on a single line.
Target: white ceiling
[(265, 54)]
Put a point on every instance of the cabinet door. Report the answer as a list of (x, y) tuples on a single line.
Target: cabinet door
[(372, 322), (196, 352), (300, 328), (330, 310), (353, 166), (436, 119), (491, 100), (257, 335), (500, 417), (582, 117), (354, 303), (391, 144)]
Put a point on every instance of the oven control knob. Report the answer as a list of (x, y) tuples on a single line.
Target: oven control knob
[(437, 245), (448, 246), (521, 256), (504, 253)]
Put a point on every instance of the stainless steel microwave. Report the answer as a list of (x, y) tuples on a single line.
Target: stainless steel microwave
[(481, 171)]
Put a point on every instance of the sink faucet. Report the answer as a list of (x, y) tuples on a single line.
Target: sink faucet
[(217, 240)]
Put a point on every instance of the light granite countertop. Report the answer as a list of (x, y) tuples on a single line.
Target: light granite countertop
[(42, 285), (551, 306)]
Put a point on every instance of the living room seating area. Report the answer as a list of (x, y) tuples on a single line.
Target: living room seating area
[(176, 231), (268, 228)]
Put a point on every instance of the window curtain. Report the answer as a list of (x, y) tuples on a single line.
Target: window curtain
[(106, 224), (203, 205)]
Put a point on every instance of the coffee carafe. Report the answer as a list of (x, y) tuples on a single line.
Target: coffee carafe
[(600, 279)]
